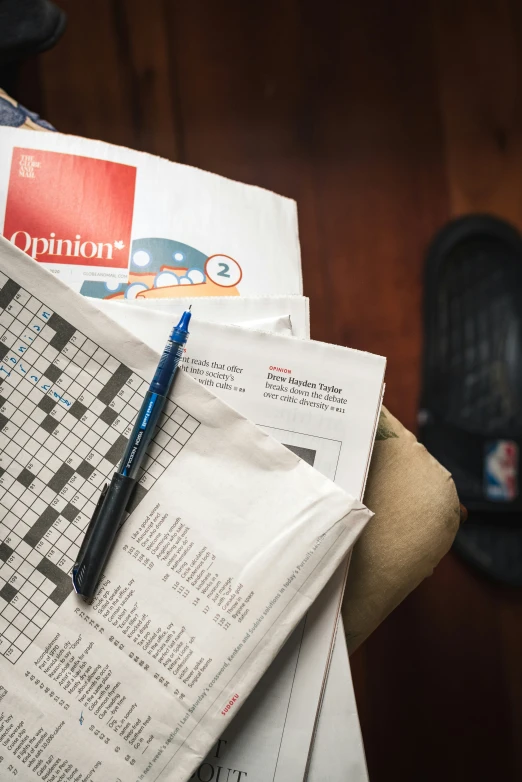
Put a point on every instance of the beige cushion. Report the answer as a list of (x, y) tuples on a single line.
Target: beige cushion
[(416, 519)]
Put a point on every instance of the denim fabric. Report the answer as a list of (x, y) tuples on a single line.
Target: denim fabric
[(15, 115)]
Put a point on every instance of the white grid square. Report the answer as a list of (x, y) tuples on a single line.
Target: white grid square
[(32, 630), (77, 339), (32, 446), (11, 633), (47, 587), (49, 353), (43, 547), (22, 528), (179, 415), (40, 435), (9, 612), (164, 458), (70, 351), (173, 448), (81, 358), (45, 476), (25, 568), (170, 427), (94, 387), (91, 438), (80, 430), (40, 619), (38, 599), (23, 549), (20, 621), (39, 505), (28, 497), (21, 643), (29, 609), (54, 555), (27, 590)]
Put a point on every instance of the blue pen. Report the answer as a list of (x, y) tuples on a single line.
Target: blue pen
[(110, 510)]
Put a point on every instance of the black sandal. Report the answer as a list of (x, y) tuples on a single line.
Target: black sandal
[(471, 402)]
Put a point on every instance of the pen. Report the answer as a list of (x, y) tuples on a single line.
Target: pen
[(110, 509)]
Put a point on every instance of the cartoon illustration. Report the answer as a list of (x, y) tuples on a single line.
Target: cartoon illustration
[(162, 268)]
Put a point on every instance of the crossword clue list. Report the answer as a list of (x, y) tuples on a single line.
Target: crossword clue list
[(67, 409)]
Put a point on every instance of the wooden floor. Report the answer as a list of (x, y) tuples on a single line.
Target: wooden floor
[(382, 120)]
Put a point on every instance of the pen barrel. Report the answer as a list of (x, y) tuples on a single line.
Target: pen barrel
[(167, 366), (142, 434), (101, 535)]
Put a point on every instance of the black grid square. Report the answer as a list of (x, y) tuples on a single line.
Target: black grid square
[(5, 551), (69, 512), (108, 416), (46, 404), (49, 424), (116, 450), (52, 373), (85, 470), (26, 478), (8, 592), (77, 410), (8, 292), (61, 477)]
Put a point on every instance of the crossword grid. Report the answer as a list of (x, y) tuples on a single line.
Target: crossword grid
[(67, 409)]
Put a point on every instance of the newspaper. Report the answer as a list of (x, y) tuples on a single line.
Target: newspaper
[(338, 750), (284, 385), (112, 222), (333, 429), (230, 540), (238, 310)]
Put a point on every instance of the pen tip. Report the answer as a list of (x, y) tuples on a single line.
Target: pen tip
[(190, 307)]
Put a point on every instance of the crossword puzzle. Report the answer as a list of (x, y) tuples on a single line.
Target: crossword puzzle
[(67, 408)]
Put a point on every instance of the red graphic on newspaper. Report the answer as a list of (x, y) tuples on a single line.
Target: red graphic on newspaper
[(68, 209)]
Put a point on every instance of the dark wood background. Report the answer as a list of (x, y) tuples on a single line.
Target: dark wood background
[(382, 119)]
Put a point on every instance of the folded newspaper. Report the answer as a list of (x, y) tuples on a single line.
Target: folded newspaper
[(230, 540), (235, 310), (322, 401), (116, 223), (61, 199)]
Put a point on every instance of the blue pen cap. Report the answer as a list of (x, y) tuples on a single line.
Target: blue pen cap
[(180, 332), (171, 357)]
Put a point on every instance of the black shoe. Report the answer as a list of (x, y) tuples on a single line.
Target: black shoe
[(471, 403)]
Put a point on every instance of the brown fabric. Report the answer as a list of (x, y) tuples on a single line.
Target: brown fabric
[(417, 515)]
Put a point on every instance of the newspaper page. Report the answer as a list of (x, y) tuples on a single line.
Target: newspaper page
[(281, 325), (230, 540), (338, 751), (113, 222), (338, 744), (282, 384), (271, 380), (237, 311)]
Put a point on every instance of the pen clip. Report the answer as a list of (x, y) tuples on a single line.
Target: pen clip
[(91, 526)]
